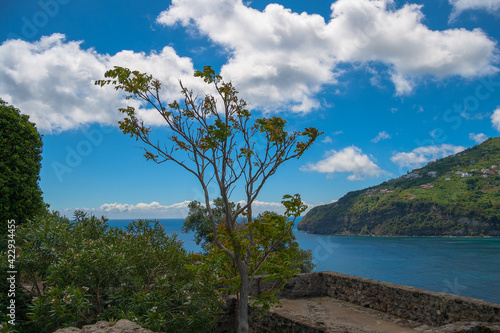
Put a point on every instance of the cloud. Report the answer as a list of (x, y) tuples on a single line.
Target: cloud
[(381, 136), (139, 210), (350, 159), (145, 210), (327, 139), (288, 57), (52, 80), (277, 58), (157, 210), (403, 85), (495, 119), (478, 138), (461, 5), (259, 207), (423, 155), (282, 62)]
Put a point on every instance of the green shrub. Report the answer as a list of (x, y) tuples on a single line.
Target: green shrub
[(78, 272)]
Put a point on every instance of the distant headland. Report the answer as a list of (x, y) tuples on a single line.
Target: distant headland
[(455, 196)]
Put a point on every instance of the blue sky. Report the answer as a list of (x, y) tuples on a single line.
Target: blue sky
[(392, 84)]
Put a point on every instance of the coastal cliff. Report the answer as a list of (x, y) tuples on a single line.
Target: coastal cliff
[(455, 196)]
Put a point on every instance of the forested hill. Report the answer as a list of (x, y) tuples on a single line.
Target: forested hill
[(455, 196)]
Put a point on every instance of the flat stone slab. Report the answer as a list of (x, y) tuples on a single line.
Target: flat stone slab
[(122, 326), (331, 315)]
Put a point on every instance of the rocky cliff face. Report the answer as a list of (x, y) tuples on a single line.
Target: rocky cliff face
[(399, 219)]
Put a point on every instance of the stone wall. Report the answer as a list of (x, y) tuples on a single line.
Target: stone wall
[(274, 323), (449, 312), (415, 304)]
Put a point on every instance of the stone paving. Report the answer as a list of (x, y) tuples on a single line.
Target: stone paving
[(331, 315)]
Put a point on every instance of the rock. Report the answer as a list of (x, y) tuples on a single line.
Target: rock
[(122, 326), (100, 326), (462, 327), (126, 326), (68, 330)]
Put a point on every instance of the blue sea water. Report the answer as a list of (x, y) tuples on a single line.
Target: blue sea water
[(461, 266)]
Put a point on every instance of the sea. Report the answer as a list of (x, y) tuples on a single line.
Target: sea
[(462, 266)]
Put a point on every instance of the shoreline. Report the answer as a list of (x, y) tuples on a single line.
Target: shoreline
[(399, 236)]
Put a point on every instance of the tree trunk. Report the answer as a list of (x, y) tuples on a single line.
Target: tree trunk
[(243, 301)]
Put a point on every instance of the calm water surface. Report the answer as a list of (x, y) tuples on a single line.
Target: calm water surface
[(461, 266)]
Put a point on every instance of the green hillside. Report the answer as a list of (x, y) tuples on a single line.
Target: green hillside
[(457, 196)]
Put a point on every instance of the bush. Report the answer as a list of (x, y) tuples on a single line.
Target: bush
[(20, 164), (76, 273)]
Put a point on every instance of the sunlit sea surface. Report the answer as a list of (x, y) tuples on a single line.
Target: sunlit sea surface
[(461, 266)]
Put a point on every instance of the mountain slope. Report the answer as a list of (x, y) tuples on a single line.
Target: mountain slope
[(457, 196)]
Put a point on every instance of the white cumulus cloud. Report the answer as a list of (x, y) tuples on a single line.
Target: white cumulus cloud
[(423, 155), (259, 207), (381, 136), (156, 210), (145, 210), (327, 139), (278, 57), (478, 138), (52, 80), (495, 119), (461, 5), (350, 159)]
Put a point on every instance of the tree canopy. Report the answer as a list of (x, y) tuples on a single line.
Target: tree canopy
[(198, 221), (20, 164)]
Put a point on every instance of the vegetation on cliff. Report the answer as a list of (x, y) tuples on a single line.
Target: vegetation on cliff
[(457, 196)]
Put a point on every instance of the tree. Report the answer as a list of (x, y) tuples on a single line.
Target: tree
[(20, 164), (274, 253), (198, 222), (216, 139)]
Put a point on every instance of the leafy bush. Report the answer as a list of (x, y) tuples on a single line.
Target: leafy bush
[(20, 164), (76, 273), (276, 254), (198, 221)]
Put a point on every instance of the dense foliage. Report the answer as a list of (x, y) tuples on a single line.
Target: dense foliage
[(198, 222), (275, 252), (457, 195), (20, 163), (75, 273)]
